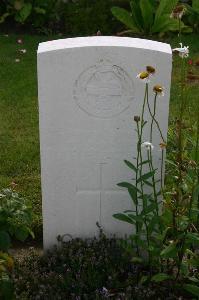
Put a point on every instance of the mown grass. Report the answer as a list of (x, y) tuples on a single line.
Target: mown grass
[(19, 133)]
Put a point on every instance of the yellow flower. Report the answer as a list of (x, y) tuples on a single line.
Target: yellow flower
[(159, 90), (150, 69), (144, 76)]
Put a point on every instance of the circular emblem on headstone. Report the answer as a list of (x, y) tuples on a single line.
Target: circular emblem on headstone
[(103, 90)]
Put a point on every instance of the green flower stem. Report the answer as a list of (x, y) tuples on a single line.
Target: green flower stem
[(150, 158), (161, 171), (180, 30), (149, 153), (137, 171), (153, 117), (141, 170), (158, 126), (142, 115)]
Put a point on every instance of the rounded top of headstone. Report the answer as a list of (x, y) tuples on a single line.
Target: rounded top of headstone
[(103, 41)]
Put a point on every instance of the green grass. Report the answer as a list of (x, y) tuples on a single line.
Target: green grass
[(19, 134)]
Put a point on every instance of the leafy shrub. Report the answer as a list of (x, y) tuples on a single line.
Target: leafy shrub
[(6, 267), (146, 17), (15, 221), (44, 16), (82, 17), (15, 218), (87, 269), (86, 17), (193, 15)]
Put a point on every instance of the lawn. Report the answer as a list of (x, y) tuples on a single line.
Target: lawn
[(19, 134)]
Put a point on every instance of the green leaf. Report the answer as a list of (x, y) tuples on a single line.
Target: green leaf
[(133, 195), (130, 165), (133, 190), (196, 193), (170, 162), (3, 17), (148, 183), (169, 251), (160, 277), (146, 176), (136, 218), (128, 185), (193, 289), (124, 218), (21, 234), (138, 260), (124, 16), (24, 13), (162, 24), (149, 208), (195, 5), (5, 241), (39, 10), (194, 279), (194, 237), (144, 279), (144, 162), (165, 7), (147, 14), (137, 14)]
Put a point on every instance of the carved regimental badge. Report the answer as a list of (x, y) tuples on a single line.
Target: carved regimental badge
[(103, 90)]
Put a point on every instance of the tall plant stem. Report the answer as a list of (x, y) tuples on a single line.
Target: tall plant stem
[(137, 173), (150, 159), (154, 119), (141, 170), (161, 171), (180, 30)]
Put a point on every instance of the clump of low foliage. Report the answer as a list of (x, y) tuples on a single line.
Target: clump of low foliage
[(193, 15), (148, 17), (88, 269), (15, 223)]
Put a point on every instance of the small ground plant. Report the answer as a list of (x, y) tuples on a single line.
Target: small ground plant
[(89, 269), (15, 222)]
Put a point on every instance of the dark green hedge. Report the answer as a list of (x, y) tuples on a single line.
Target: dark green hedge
[(71, 17)]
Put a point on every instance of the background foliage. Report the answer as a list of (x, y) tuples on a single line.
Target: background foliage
[(50, 16), (86, 17)]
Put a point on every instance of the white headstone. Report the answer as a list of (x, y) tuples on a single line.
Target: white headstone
[(88, 96)]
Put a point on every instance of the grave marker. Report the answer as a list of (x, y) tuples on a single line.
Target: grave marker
[(88, 95)]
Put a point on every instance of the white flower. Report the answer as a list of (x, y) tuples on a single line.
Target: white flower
[(147, 145), (23, 51), (182, 51), (144, 76), (17, 60)]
